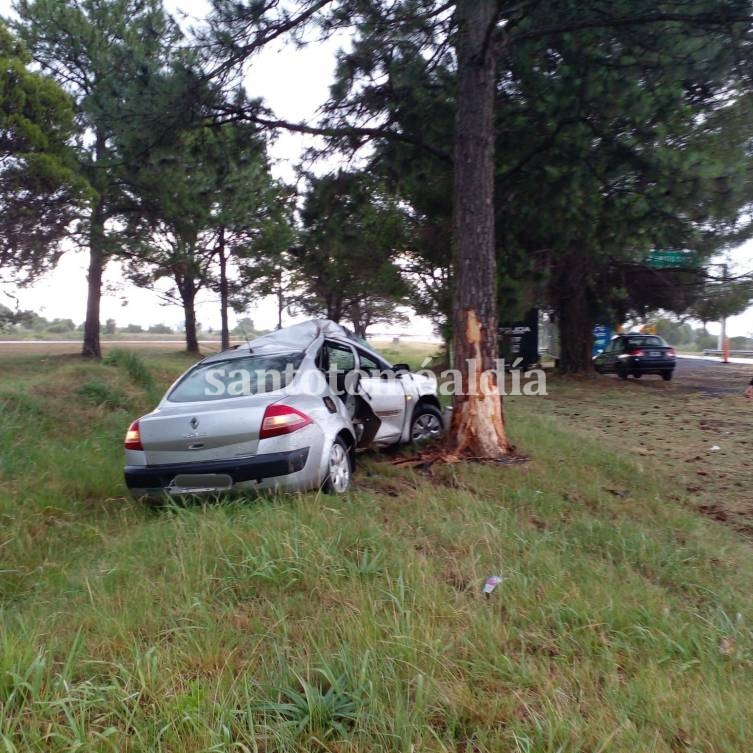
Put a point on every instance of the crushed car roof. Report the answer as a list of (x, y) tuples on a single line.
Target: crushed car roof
[(297, 337)]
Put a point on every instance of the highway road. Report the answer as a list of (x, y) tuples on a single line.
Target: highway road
[(706, 375)]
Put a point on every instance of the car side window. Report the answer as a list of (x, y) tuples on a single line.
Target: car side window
[(340, 357), (369, 364)]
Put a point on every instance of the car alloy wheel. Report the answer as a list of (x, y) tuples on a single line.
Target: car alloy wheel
[(338, 469), (427, 424)]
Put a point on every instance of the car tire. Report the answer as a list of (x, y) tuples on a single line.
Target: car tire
[(637, 375), (426, 424), (667, 375), (622, 374), (339, 469)]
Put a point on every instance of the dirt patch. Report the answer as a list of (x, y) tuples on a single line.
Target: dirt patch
[(696, 429)]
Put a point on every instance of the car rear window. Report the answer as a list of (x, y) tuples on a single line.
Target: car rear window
[(646, 342), (236, 377)]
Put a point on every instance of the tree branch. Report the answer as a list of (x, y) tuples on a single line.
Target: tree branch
[(269, 34), (334, 131), (699, 19)]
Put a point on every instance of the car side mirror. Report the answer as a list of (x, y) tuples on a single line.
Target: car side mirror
[(401, 368)]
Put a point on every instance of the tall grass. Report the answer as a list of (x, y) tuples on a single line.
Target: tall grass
[(305, 623), (136, 369)]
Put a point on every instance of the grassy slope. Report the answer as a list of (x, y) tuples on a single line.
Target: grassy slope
[(356, 623)]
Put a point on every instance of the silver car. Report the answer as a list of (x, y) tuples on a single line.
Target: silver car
[(286, 410)]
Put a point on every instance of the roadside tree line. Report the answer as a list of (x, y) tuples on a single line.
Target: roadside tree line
[(506, 155), (115, 145)]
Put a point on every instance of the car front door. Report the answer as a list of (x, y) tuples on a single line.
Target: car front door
[(338, 361), (386, 396)]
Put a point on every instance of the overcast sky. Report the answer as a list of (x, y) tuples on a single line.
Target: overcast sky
[(294, 82)]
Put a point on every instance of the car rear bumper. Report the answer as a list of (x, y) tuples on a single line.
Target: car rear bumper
[(649, 365), (150, 480)]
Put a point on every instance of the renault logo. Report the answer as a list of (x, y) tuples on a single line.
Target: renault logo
[(194, 423)]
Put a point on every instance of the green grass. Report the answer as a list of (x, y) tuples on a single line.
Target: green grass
[(412, 353), (308, 623)]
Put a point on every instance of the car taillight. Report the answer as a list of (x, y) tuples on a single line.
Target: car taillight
[(133, 437), (635, 352), (671, 353), (282, 419)]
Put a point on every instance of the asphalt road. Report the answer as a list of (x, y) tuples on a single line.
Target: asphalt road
[(704, 375)]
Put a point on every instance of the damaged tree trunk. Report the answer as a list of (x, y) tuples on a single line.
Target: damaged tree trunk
[(478, 428)]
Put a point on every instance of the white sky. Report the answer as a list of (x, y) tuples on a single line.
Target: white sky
[(294, 83)]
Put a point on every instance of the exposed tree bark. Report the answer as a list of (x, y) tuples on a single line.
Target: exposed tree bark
[(478, 428), (97, 260), (224, 329)]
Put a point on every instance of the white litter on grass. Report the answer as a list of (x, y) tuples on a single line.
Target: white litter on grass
[(491, 583), (715, 448)]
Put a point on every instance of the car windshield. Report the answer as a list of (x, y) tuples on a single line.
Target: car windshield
[(235, 377), (645, 342)]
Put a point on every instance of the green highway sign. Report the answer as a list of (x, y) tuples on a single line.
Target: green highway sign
[(665, 258)]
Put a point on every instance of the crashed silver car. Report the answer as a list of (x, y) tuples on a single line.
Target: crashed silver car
[(286, 410)]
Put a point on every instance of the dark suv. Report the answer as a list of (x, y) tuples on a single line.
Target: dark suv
[(637, 355)]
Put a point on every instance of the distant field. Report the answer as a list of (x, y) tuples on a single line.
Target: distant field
[(313, 623), (413, 353), (56, 347)]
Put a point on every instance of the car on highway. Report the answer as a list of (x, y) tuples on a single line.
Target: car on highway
[(635, 355), (284, 411)]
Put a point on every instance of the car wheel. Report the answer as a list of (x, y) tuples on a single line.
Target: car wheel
[(666, 375), (622, 374), (637, 375), (339, 471), (426, 424)]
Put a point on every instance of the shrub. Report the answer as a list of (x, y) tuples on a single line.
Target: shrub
[(134, 366), (101, 394)]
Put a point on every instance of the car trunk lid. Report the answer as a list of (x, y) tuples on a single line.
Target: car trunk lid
[(652, 352), (193, 432)]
